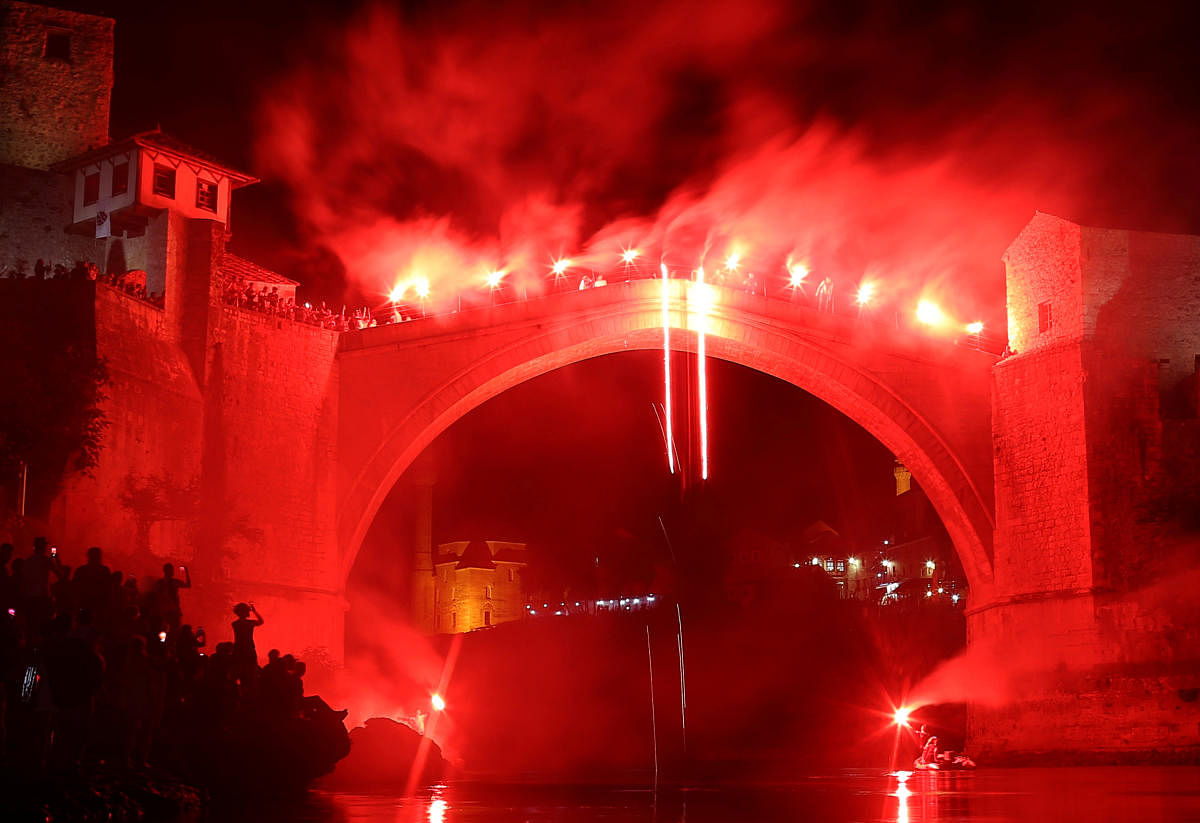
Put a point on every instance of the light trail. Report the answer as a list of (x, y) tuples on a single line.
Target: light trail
[(666, 321), (702, 380)]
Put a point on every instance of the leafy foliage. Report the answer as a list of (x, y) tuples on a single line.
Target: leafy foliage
[(53, 386)]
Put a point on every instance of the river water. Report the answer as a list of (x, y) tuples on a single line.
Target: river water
[(1095, 795)]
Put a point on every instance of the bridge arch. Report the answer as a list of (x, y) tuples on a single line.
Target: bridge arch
[(925, 403)]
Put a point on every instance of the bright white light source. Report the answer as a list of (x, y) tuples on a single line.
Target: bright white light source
[(439, 705), (866, 291), (561, 266), (494, 278), (929, 313), (974, 328)]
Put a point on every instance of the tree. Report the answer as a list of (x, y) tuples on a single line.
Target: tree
[(50, 405)]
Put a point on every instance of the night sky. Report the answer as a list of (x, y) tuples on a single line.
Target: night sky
[(914, 143)]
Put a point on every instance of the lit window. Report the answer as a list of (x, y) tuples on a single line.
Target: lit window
[(828, 565), (91, 188), (1045, 317), (841, 565), (164, 180), (58, 46), (206, 195), (120, 183)]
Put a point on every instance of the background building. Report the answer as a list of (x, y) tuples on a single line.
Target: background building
[(477, 584)]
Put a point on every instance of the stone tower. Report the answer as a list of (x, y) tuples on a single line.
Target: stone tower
[(56, 78)]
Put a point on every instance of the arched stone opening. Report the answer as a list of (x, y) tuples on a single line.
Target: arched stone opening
[(895, 411)]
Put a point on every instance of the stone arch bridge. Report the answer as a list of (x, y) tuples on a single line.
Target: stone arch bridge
[(266, 447), (928, 401)]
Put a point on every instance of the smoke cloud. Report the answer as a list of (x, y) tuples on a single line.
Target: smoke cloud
[(866, 143)]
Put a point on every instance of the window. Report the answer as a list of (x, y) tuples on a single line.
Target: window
[(454, 620), (206, 195), (510, 575), (828, 565), (91, 188), (164, 180), (58, 46), (487, 618), (1045, 317), (120, 177), (487, 592), (841, 565)]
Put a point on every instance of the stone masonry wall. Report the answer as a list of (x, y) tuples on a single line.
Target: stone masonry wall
[(1143, 300), (276, 384), (151, 446), (1043, 266), (35, 209), (52, 109), (1042, 514)]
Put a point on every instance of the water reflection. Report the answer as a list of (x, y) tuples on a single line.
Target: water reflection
[(1112, 795)]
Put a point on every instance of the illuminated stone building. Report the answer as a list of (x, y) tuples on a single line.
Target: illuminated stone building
[(476, 584)]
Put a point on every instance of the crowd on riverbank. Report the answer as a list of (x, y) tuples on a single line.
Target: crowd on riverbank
[(97, 670)]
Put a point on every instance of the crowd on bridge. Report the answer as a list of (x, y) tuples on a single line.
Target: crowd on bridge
[(98, 670), (242, 293)]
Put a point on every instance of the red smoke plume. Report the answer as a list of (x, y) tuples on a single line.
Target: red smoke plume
[(865, 143)]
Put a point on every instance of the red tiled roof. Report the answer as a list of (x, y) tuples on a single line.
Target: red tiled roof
[(236, 266), (160, 141)]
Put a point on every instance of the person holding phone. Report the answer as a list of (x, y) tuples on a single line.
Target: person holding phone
[(245, 656)]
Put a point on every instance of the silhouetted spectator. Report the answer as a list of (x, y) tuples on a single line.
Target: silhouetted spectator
[(35, 583), (93, 585), (244, 654), (166, 590)]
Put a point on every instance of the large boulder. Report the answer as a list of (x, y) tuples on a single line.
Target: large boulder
[(382, 757)]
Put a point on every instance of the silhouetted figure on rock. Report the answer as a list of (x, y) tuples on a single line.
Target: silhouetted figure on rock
[(245, 656)]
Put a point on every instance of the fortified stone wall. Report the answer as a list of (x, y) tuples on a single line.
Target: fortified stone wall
[(137, 500), (274, 390), (1040, 450), (1096, 607), (1143, 299), (56, 76), (1044, 268), (35, 209)]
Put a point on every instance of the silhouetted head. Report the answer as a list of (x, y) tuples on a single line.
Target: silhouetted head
[(6, 552), (94, 556), (300, 668), (39, 545), (168, 570), (273, 655), (241, 610)]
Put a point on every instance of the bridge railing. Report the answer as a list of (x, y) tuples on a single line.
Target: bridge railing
[(844, 304)]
